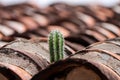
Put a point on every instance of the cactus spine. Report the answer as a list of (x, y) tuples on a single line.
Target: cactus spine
[(56, 46)]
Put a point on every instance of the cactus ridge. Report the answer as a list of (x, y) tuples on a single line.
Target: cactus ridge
[(56, 45)]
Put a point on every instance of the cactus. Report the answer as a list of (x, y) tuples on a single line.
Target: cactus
[(56, 46)]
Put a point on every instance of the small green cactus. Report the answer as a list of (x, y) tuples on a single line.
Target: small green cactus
[(56, 46)]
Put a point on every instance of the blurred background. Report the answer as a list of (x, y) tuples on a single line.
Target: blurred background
[(89, 21)]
